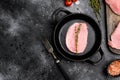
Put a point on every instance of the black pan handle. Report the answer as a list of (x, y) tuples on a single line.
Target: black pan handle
[(101, 57), (56, 13)]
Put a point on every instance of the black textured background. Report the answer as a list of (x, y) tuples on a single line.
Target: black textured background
[(23, 56)]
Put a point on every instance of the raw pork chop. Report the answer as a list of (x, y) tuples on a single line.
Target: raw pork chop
[(115, 38), (114, 5), (76, 37)]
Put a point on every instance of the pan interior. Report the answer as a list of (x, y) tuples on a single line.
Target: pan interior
[(90, 39)]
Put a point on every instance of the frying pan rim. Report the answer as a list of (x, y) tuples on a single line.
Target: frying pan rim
[(58, 49)]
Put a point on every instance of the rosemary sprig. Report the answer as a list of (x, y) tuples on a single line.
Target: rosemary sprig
[(96, 6), (77, 33)]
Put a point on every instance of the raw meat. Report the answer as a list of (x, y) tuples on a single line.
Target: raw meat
[(76, 37), (115, 38), (114, 5)]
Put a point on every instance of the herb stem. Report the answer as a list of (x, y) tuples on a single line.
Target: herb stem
[(95, 5), (77, 33)]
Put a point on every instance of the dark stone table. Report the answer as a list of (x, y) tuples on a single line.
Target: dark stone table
[(22, 54)]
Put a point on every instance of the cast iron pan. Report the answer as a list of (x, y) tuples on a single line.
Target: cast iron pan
[(94, 36)]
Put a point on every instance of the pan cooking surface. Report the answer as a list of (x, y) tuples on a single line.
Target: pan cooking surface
[(90, 39)]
